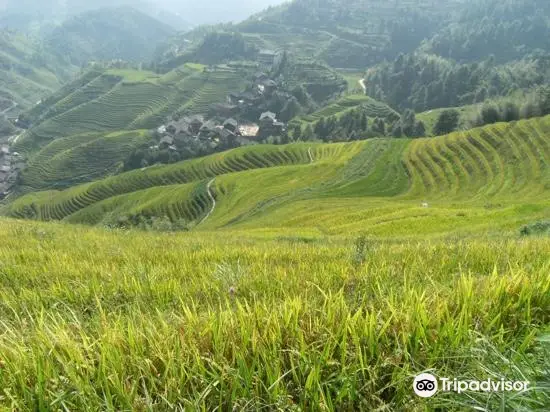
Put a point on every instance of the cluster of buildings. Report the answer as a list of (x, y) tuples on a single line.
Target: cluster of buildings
[(230, 130), (10, 165)]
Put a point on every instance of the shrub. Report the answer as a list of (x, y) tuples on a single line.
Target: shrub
[(537, 228)]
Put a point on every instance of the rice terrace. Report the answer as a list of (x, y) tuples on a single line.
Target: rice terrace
[(322, 206)]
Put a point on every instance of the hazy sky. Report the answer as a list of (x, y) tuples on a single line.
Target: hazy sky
[(193, 11), (211, 11)]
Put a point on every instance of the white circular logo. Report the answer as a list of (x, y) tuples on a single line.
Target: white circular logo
[(425, 385)]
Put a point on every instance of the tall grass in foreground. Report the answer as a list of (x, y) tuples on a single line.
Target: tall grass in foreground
[(97, 320)]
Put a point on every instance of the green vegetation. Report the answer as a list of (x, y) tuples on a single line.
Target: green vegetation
[(306, 276), (132, 321), (506, 29), (81, 158), (108, 101), (351, 105), (27, 72), (489, 180), (351, 34), (107, 34), (422, 82), (431, 117), (372, 108)]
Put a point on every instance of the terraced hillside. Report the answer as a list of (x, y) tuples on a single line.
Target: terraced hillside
[(348, 34), (372, 108), (103, 115), (27, 72), (473, 181), (47, 205), (81, 158)]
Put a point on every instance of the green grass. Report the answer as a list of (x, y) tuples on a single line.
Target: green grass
[(81, 158), (28, 73), (286, 320), (59, 205), (490, 180), (352, 79), (373, 108), (115, 100), (430, 117)]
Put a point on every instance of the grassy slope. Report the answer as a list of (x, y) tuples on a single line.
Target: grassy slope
[(139, 99), (107, 34), (27, 73), (103, 114), (484, 180), (350, 34), (81, 158), (372, 107), (131, 321), (430, 117)]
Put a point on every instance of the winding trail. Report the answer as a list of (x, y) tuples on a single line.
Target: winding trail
[(13, 106), (211, 196), (363, 85), (310, 155)]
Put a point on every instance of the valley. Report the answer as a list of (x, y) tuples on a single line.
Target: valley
[(303, 210)]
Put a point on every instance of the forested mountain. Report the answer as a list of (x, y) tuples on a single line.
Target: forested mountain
[(28, 14), (422, 82), (506, 29), (28, 70), (106, 34), (350, 34)]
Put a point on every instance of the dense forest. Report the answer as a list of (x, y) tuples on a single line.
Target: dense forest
[(422, 82), (507, 29), (107, 34)]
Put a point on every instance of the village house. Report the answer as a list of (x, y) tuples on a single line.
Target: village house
[(269, 126), (266, 58), (166, 141), (231, 125)]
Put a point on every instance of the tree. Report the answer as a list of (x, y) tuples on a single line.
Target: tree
[(407, 122), (291, 109), (447, 122), (509, 112), (297, 132), (489, 114), (320, 128), (364, 122), (419, 129), (378, 127), (397, 130), (308, 133)]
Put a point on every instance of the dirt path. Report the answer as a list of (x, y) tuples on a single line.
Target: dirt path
[(209, 191), (15, 139), (13, 106), (363, 85)]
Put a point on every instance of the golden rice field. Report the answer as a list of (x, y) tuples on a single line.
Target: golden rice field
[(324, 278), (92, 319)]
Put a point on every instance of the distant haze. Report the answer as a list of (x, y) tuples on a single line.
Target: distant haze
[(193, 12), (199, 12)]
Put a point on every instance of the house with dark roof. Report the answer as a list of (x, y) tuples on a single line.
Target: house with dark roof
[(166, 141), (267, 119), (231, 124), (267, 57), (269, 86)]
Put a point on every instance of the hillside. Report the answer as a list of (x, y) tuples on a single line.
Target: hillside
[(108, 34), (506, 29), (28, 72), (469, 178), (343, 34), (107, 101), (371, 107)]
